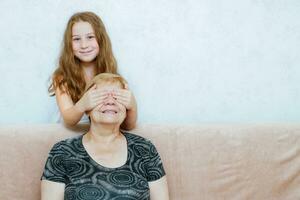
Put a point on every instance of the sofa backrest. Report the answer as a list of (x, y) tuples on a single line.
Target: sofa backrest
[(202, 162)]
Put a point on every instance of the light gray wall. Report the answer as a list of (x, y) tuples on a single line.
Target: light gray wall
[(186, 61)]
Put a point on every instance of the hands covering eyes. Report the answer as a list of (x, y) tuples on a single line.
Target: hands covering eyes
[(124, 97), (94, 97)]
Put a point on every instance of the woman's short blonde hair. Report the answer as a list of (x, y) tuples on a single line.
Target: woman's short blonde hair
[(106, 78)]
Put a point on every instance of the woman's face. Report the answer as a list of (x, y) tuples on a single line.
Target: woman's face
[(110, 111), (84, 42)]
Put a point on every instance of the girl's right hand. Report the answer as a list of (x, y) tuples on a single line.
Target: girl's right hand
[(91, 99)]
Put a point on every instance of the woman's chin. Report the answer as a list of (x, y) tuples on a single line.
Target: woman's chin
[(107, 121)]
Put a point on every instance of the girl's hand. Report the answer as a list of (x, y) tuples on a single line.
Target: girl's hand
[(91, 99), (125, 97)]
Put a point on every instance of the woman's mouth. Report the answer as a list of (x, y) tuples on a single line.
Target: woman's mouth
[(109, 111)]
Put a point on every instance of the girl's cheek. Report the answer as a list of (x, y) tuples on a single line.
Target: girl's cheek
[(75, 47)]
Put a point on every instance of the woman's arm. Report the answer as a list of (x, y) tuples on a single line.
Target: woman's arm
[(52, 190), (159, 189)]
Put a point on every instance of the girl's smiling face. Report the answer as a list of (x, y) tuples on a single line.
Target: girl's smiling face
[(84, 42)]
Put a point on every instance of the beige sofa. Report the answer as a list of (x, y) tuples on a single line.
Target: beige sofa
[(236, 162)]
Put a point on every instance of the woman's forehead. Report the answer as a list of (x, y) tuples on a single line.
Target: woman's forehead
[(109, 85)]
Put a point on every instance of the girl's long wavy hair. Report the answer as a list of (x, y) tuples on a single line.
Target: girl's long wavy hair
[(69, 75)]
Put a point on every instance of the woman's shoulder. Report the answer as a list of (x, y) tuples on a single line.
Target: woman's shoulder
[(65, 144), (141, 147), (134, 139)]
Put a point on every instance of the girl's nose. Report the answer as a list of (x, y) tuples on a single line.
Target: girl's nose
[(83, 44)]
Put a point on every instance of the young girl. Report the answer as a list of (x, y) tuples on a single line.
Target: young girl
[(86, 52)]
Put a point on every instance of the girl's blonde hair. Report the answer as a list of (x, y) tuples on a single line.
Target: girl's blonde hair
[(69, 76)]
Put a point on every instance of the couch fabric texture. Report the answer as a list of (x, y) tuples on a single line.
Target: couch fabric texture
[(213, 162)]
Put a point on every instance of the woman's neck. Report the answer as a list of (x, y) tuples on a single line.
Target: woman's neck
[(103, 133)]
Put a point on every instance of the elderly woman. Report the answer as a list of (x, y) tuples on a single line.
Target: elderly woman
[(105, 163)]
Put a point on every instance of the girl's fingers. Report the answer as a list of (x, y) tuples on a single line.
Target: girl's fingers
[(125, 99), (101, 96), (124, 102), (121, 97), (121, 91), (97, 102), (122, 94), (99, 99), (100, 92)]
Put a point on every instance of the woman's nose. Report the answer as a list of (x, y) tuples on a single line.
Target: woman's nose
[(110, 100)]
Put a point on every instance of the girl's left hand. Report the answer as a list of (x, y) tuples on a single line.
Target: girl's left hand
[(125, 97)]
